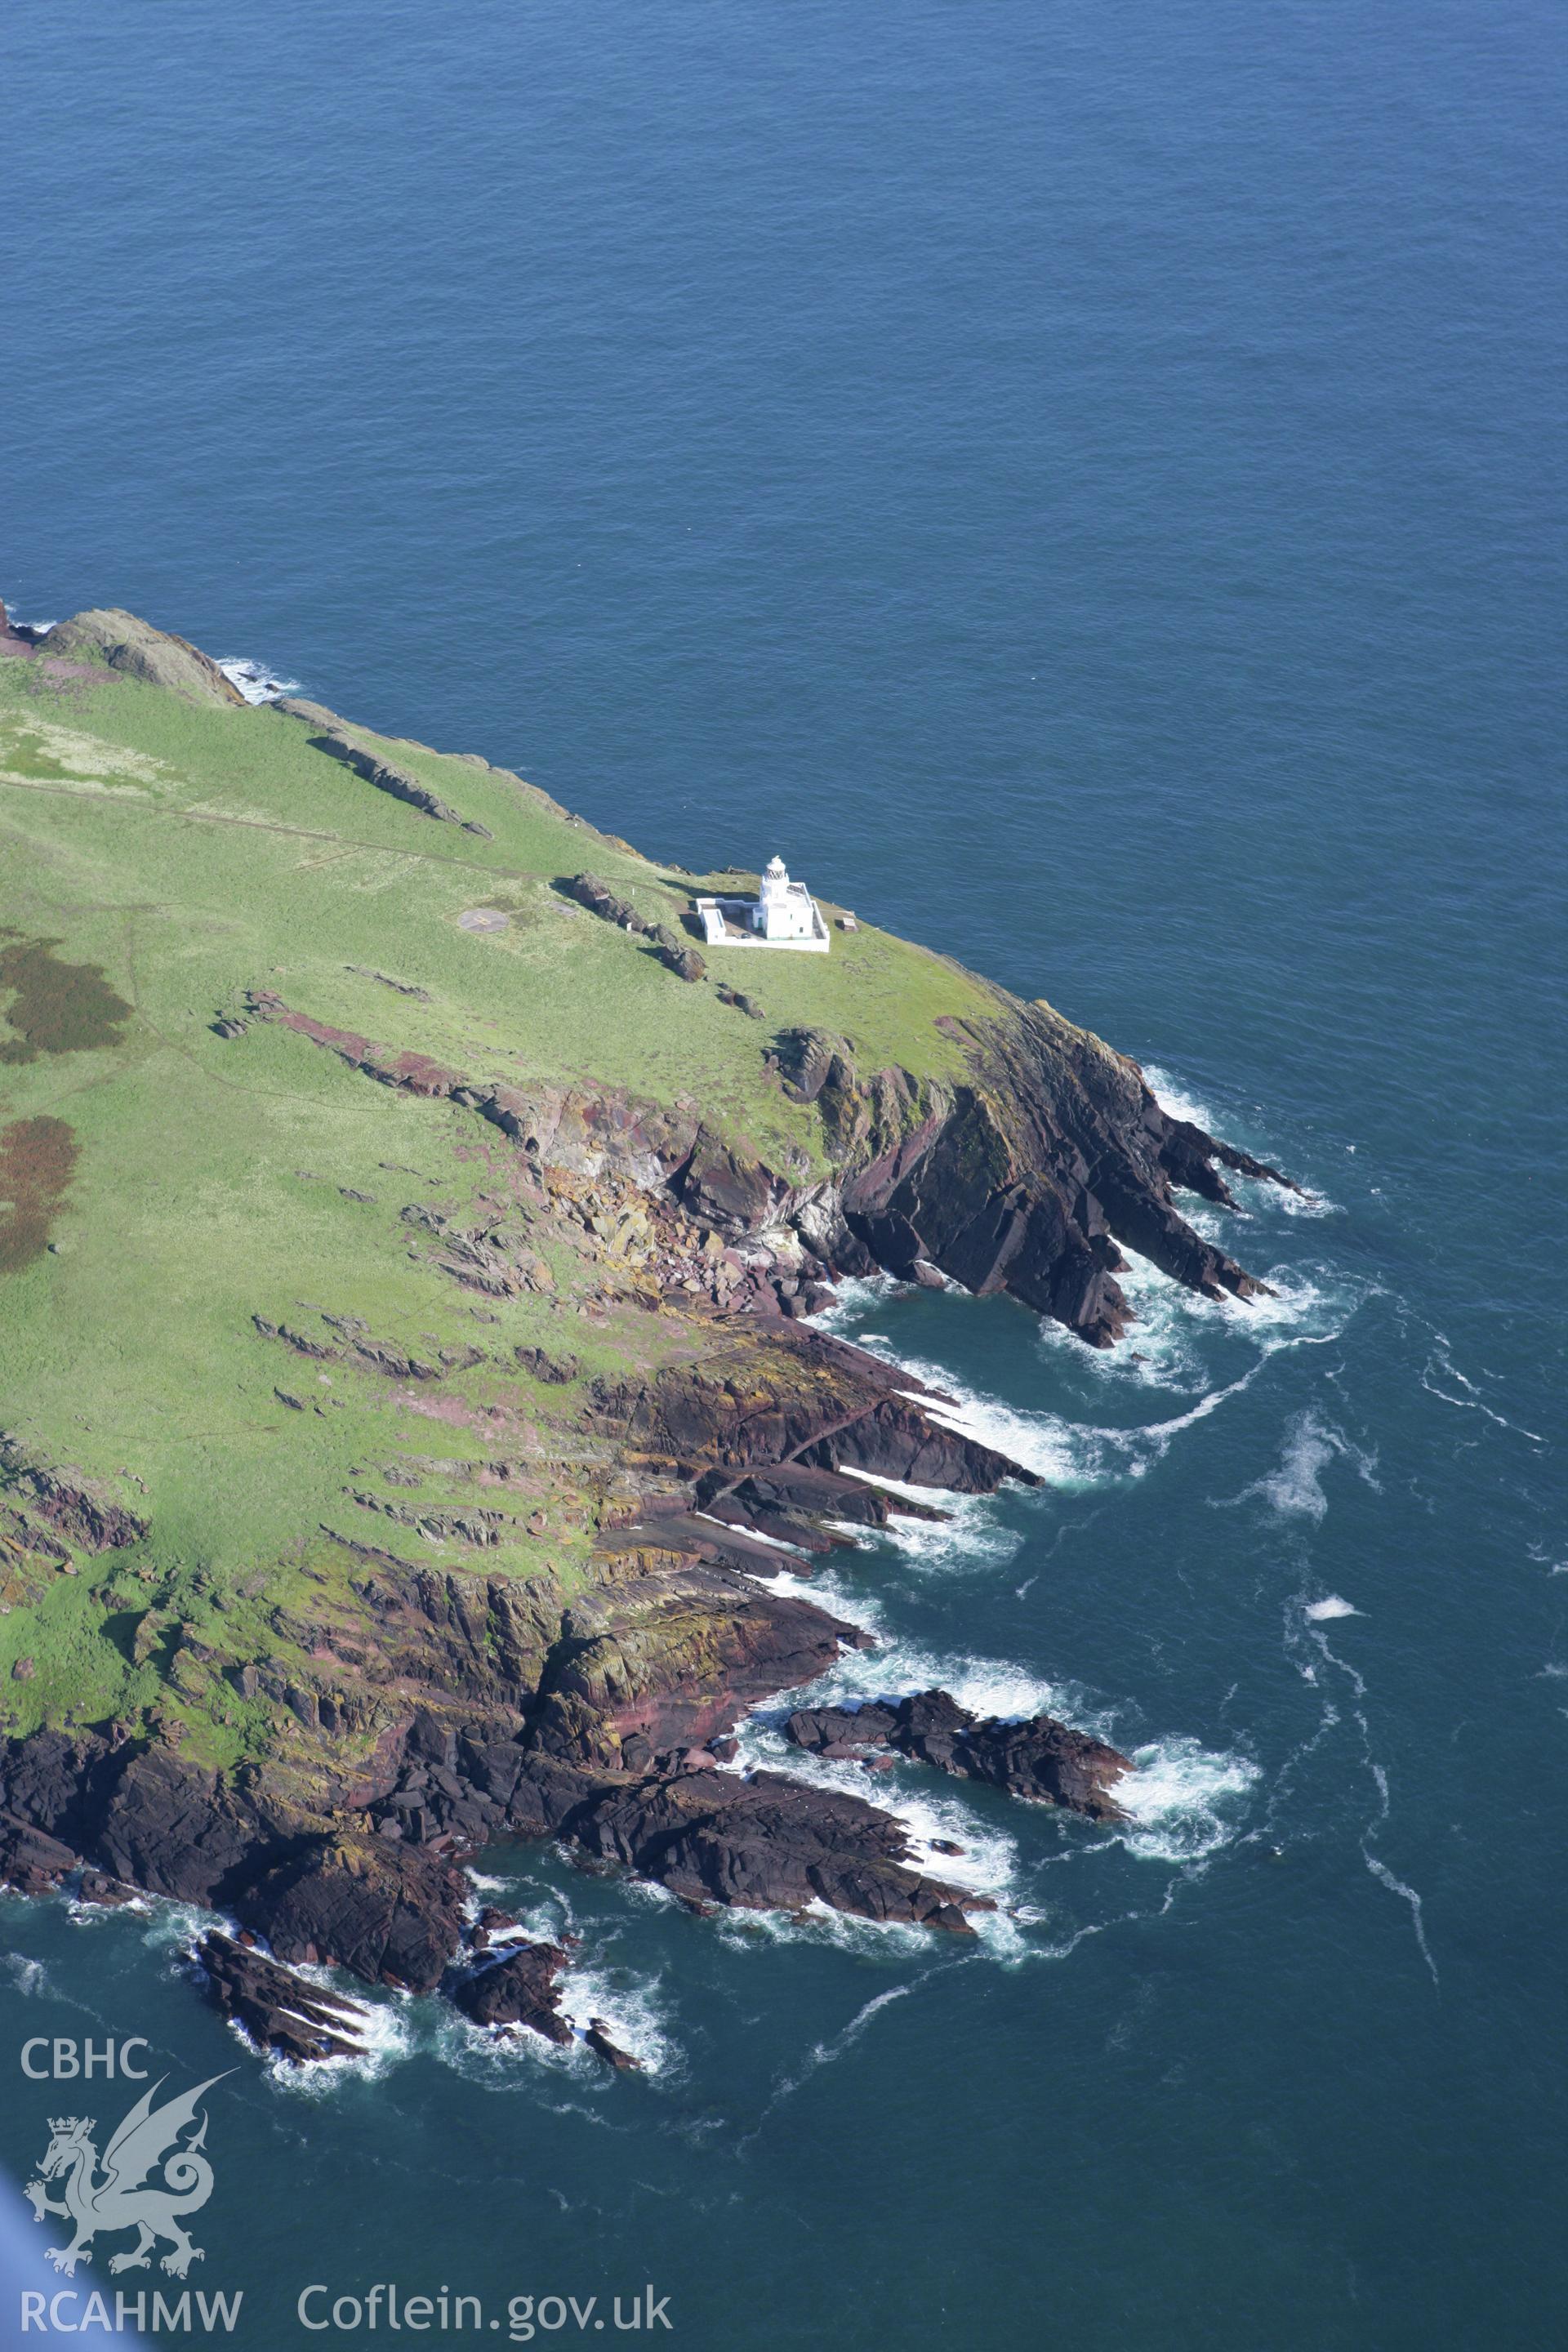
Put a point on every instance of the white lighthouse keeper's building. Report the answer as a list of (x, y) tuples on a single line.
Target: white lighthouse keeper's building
[(783, 915)]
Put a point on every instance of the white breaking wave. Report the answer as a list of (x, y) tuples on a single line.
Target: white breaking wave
[(823, 2053), (966, 1536), (825, 1590), (1185, 1800), (1386, 1877), (89, 1915), (1472, 1400), (173, 1927), (483, 1883), (988, 1863), (986, 1686), (1253, 1194), (1332, 1606), (1168, 1093), (1070, 1455), (627, 2007), (255, 681), (853, 1296), (743, 1930), (1311, 1443), (386, 2026), (755, 1535)]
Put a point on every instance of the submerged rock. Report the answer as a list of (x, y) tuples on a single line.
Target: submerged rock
[(597, 2038)]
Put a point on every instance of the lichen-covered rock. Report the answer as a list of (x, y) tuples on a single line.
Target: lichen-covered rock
[(79, 1509), (672, 1655), (137, 650)]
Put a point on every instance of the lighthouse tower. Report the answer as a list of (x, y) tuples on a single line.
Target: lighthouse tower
[(784, 909)]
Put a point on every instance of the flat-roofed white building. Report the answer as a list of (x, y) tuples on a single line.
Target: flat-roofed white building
[(783, 914)]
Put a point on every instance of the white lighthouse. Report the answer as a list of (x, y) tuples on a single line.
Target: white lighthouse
[(783, 914), (784, 910)]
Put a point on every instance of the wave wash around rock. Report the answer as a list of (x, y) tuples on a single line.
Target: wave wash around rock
[(411, 1411)]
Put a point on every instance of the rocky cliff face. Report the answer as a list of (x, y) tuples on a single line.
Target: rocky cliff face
[(1023, 1180), (513, 1709)]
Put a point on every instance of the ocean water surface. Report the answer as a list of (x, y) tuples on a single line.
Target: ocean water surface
[(1087, 485)]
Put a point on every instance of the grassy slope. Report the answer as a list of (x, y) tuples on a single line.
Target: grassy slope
[(194, 851)]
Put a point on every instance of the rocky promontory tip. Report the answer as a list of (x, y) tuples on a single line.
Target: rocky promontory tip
[(1041, 1758)]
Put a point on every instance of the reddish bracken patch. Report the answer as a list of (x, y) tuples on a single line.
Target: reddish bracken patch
[(416, 1073), (37, 1160)]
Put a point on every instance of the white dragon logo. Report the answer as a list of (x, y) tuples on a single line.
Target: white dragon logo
[(124, 2198)]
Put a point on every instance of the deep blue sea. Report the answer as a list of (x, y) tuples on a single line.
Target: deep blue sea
[(1087, 483)]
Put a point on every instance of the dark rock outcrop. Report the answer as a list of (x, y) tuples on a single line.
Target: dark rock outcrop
[(30, 1860), (771, 1843), (1041, 1758), (520, 1990), (556, 1370), (809, 1402), (277, 2010), (1025, 1178), (389, 1913), (79, 1509), (398, 781), (108, 1894), (599, 2042), (373, 1355), (684, 962), (601, 900)]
